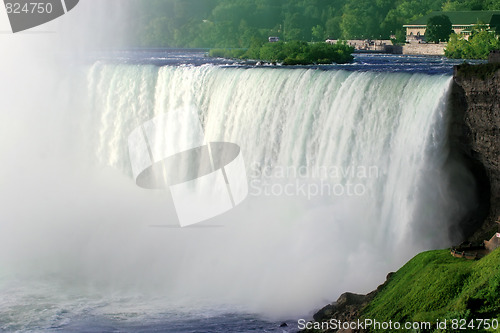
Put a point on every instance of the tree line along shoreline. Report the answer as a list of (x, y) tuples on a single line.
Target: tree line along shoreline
[(291, 53), (225, 24)]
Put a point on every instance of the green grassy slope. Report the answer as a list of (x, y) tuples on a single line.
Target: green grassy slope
[(436, 286)]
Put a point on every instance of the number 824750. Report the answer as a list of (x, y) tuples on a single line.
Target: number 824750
[(31, 8)]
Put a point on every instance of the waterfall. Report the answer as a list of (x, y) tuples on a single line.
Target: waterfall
[(383, 134), (349, 174)]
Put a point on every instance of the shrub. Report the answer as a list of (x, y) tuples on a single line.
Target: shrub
[(478, 46)]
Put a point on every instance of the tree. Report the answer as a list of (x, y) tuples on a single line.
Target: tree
[(400, 37), (438, 29), (459, 5), (457, 48), (359, 21), (333, 27), (481, 43), (318, 33), (478, 46), (292, 30)]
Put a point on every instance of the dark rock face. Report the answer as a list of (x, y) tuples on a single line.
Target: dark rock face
[(476, 132), (347, 308)]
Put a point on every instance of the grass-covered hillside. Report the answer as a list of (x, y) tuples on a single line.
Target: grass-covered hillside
[(436, 286)]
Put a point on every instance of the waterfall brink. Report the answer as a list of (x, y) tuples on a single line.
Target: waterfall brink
[(349, 176)]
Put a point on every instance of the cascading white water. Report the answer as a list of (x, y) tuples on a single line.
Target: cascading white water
[(292, 251), (293, 118), (99, 244)]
